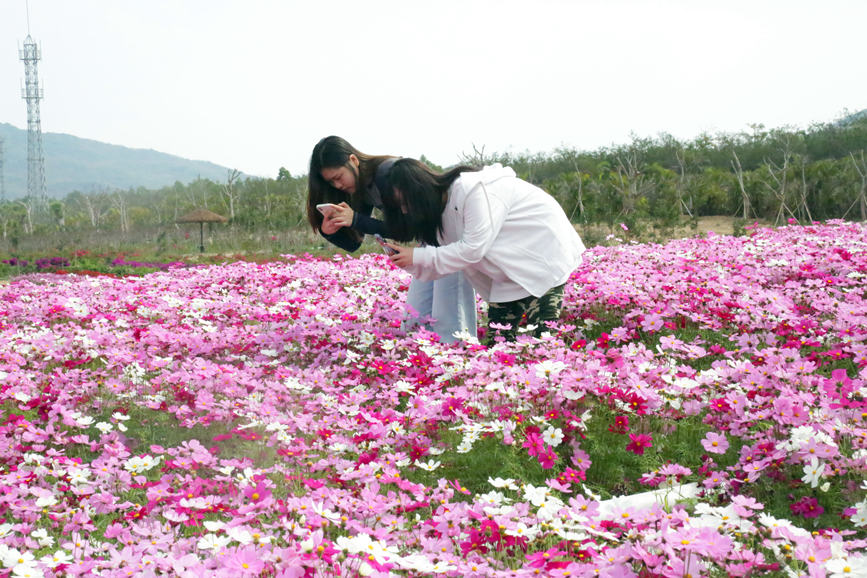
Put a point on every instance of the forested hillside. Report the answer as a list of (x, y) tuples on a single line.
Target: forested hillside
[(80, 164)]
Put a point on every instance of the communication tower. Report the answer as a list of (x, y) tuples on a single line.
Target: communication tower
[(32, 94)]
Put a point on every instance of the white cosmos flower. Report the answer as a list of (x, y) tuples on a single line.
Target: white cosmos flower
[(429, 465), (56, 559), (41, 536), (78, 476), (492, 498), (27, 571), (846, 567), (553, 436), (13, 557), (417, 562), (548, 367), (240, 535), (213, 542), (104, 427), (213, 525), (139, 464), (550, 508), (522, 529), (507, 483), (860, 516), (813, 472), (84, 421), (536, 495), (44, 502)]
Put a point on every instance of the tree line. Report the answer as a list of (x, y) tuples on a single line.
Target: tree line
[(771, 175)]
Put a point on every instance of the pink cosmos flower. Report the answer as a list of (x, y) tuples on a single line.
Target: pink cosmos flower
[(542, 559), (246, 561), (652, 323), (745, 506), (715, 443), (257, 493)]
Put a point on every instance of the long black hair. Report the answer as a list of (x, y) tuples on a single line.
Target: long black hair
[(330, 153), (414, 202)]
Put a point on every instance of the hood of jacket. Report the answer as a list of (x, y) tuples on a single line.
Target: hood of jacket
[(487, 175)]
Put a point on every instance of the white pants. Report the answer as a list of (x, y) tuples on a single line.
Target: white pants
[(449, 301)]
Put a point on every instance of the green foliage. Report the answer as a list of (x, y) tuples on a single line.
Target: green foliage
[(813, 174)]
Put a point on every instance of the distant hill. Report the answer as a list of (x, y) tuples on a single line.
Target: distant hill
[(79, 164), (852, 118)]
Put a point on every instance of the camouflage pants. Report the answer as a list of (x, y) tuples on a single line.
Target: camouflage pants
[(537, 310)]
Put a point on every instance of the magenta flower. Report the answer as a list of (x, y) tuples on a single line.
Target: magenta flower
[(620, 425), (638, 443), (715, 443), (534, 444), (807, 507), (547, 458)]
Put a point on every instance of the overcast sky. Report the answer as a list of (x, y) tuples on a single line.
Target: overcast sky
[(254, 84)]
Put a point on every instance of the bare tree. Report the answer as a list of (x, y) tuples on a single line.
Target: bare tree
[(860, 164), (579, 202), (630, 181), (95, 205), (119, 202), (27, 203), (803, 206), (681, 183), (739, 174), (477, 158), (229, 193)]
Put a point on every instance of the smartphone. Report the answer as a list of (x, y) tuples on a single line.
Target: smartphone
[(388, 250), (326, 208)]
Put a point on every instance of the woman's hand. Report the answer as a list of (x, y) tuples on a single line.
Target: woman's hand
[(402, 255), (329, 227), (342, 216)]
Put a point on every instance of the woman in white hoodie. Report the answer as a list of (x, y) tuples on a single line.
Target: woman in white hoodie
[(511, 239)]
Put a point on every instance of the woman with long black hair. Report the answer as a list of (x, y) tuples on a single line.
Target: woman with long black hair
[(510, 238), (353, 181)]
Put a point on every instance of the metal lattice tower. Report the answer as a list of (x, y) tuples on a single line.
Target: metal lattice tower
[(32, 94)]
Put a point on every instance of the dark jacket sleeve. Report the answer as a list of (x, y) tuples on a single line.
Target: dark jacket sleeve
[(361, 222), (342, 240), (368, 225)]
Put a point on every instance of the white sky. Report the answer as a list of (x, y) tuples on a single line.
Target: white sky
[(254, 84)]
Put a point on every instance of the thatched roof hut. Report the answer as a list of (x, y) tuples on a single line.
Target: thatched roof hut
[(201, 216)]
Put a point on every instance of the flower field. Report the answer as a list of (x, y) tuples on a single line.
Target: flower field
[(272, 419)]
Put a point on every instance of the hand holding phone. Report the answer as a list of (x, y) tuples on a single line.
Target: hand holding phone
[(326, 208), (388, 250)]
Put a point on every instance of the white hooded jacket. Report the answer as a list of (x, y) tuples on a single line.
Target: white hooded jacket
[(510, 238)]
